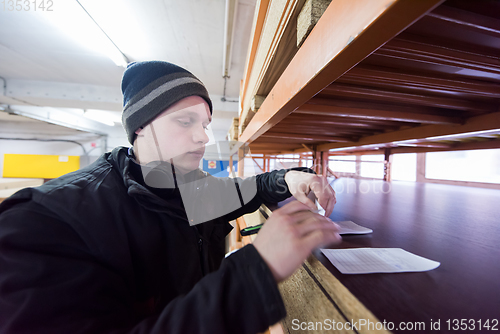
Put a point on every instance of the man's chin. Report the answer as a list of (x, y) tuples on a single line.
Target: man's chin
[(187, 165)]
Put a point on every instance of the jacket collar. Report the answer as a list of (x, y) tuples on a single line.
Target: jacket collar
[(125, 164)]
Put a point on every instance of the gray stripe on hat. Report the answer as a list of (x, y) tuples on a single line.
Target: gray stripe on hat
[(129, 110)]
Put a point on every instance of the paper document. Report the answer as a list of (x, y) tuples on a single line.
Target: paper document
[(321, 211), (346, 226), (377, 260), (350, 227)]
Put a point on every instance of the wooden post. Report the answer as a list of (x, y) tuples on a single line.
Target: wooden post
[(387, 165), (324, 162), (357, 172), (420, 167), (230, 165), (241, 162)]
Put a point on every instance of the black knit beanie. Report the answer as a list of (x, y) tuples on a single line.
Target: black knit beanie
[(150, 87)]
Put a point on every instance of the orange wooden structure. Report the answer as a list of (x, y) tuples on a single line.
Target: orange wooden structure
[(404, 75)]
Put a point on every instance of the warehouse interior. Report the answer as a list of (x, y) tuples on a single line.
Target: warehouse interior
[(380, 94)]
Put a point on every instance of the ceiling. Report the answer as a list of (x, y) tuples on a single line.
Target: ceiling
[(41, 65)]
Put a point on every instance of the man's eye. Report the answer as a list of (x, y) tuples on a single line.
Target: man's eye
[(184, 122)]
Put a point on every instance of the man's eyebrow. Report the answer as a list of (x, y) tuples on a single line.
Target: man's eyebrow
[(193, 114), (184, 112)]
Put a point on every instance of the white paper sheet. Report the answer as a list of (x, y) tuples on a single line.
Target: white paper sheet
[(346, 226), (377, 260), (350, 227), (321, 211)]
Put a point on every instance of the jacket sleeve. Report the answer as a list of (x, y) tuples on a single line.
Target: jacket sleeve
[(51, 282), (271, 188)]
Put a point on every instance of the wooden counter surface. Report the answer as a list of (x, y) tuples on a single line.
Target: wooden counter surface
[(457, 226)]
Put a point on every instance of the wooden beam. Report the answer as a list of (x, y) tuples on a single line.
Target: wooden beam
[(473, 21), (438, 55), (323, 110), (317, 120), (277, 18), (473, 124), (483, 145), (356, 92), (308, 147), (407, 108), (305, 137), (321, 129), (261, 168), (348, 31), (259, 19), (392, 79)]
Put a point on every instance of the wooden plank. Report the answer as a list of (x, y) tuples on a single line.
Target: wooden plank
[(256, 102), (304, 137), (357, 92), (392, 79), (259, 19), (473, 124), (285, 52), (438, 55), (473, 21), (324, 110), (312, 294), (309, 15), (320, 129), (483, 145), (317, 120), (347, 32), (276, 21)]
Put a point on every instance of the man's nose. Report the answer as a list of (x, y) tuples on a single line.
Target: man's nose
[(200, 135)]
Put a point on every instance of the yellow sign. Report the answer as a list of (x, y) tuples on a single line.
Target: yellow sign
[(39, 166)]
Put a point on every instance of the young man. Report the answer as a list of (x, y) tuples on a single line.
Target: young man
[(110, 248)]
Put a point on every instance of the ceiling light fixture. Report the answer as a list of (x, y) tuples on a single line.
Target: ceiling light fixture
[(72, 18), (102, 116), (229, 28)]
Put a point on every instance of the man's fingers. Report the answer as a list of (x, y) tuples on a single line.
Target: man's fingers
[(313, 224), (330, 205), (301, 197), (293, 207), (306, 216), (320, 238)]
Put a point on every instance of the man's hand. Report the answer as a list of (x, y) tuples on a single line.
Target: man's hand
[(290, 235), (300, 184)]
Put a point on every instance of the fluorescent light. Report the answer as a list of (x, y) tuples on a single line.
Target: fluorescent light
[(103, 116), (74, 20), (463, 135)]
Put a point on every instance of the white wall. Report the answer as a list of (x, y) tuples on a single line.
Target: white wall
[(17, 127)]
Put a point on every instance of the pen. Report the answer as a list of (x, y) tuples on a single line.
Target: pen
[(255, 229), (251, 230)]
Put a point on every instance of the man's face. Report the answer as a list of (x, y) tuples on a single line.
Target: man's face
[(177, 135)]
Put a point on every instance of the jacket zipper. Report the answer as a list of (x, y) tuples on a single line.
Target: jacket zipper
[(200, 250)]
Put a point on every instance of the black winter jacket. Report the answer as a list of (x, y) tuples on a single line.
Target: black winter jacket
[(95, 251)]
